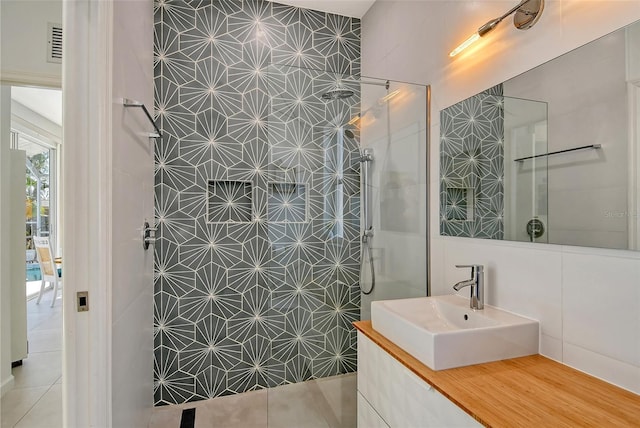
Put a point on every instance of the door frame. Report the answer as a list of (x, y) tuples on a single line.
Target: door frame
[(86, 203), (633, 186)]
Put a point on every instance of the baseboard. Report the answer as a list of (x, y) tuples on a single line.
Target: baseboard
[(7, 385)]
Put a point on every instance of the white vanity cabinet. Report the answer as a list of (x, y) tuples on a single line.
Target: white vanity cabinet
[(390, 395)]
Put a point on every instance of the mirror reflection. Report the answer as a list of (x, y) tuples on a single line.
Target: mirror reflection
[(552, 155)]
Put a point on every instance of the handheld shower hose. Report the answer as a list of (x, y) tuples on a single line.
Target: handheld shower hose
[(366, 158), (366, 245)]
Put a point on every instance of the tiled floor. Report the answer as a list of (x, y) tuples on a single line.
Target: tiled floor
[(36, 399), (321, 403)]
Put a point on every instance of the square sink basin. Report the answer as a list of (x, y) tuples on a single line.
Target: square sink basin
[(442, 332)]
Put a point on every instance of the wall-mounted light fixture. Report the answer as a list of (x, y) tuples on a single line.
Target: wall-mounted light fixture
[(387, 97), (527, 13)]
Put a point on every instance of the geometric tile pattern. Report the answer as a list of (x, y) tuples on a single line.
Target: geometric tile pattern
[(287, 203), (457, 205), (472, 167), (257, 203), (229, 201)]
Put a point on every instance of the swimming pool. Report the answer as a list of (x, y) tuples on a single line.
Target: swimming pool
[(33, 272)]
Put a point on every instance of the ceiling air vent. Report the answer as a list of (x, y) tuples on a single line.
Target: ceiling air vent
[(54, 43)]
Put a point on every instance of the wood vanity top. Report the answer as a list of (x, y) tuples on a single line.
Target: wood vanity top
[(528, 391)]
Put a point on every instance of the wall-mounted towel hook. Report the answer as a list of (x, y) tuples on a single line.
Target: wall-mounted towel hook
[(133, 103)]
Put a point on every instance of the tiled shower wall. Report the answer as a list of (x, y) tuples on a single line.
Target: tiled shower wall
[(257, 197), (472, 166)]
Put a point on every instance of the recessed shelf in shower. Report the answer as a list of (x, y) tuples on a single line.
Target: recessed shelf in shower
[(229, 201), (459, 204), (287, 202)]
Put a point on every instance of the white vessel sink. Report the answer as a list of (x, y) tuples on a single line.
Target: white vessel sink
[(443, 332)]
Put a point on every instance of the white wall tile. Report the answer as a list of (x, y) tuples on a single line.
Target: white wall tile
[(437, 259), (132, 385), (132, 193), (525, 281), (601, 297), (609, 369), (551, 347), (593, 204)]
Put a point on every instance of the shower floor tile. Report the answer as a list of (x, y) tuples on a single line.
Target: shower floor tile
[(321, 403)]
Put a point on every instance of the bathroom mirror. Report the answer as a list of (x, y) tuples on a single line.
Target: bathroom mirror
[(552, 155)]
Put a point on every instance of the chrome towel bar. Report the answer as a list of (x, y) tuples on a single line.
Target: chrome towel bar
[(590, 146), (133, 103)]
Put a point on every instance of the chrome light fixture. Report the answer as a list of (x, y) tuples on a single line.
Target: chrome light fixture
[(527, 13)]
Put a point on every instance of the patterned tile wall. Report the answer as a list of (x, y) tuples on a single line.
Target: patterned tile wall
[(244, 305), (472, 167), (230, 201)]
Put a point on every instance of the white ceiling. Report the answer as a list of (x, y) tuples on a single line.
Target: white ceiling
[(353, 8), (46, 102)]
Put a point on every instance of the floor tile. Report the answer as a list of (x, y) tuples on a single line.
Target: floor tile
[(38, 369), (166, 417), (36, 399), (46, 413), (43, 316), (323, 403), (294, 406), (45, 340), (246, 410), (17, 402), (337, 397)]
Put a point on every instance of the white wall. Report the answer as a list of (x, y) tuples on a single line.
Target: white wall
[(108, 183), (132, 199), (587, 300), (17, 202), (24, 25), (6, 378)]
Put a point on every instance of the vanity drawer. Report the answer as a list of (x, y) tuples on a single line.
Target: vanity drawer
[(400, 397)]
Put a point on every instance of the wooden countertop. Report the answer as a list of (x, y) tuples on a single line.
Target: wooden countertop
[(528, 391)]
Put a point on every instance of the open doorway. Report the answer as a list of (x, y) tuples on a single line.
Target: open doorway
[(36, 141), (36, 128)]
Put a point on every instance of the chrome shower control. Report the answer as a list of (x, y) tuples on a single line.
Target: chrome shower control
[(146, 235)]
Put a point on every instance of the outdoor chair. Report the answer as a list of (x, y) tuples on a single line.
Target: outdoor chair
[(48, 268)]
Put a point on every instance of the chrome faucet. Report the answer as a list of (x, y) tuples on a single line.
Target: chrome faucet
[(476, 283)]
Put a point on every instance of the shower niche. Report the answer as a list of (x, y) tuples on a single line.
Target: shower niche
[(459, 203), (229, 201), (287, 202)]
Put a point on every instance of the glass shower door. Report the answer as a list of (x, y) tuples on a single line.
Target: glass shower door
[(525, 181), (393, 128), (312, 219), (325, 131)]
